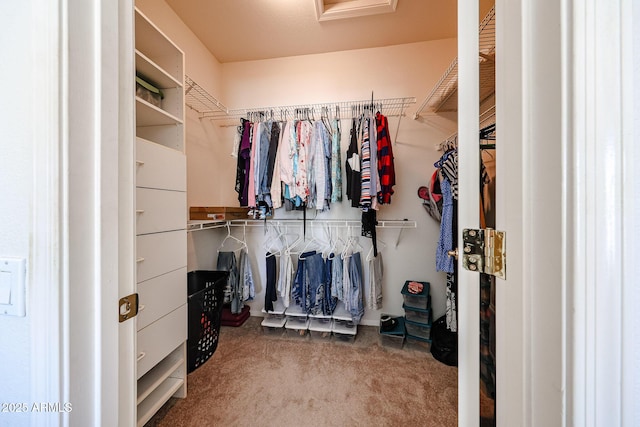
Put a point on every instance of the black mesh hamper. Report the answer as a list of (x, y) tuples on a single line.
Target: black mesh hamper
[(205, 298)]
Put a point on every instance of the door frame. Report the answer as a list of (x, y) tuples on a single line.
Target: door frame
[(83, 205), (561, 358), (522, 343)]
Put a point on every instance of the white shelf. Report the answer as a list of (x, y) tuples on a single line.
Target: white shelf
[(444, 95), (295, 310), (156, 46), (278, 308), (340, 313), (297, 326), (148, 114), (194, 225), (274, 323), (157, 398), (156, 376), (319, 326), (342, 329), (149, 69)]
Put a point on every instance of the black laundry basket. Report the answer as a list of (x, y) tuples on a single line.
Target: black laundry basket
[(205, 299)]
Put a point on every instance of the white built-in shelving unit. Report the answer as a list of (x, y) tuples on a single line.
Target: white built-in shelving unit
[(161, 220)]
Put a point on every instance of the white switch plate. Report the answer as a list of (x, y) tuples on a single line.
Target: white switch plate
[(13, 273)]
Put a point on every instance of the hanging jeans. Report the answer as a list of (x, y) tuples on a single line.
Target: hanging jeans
[(299, 292), (336, 276), (374, 301), (329, 303), (314, 284), (233, 293), (271, 294), (246, 277), (355, 275)]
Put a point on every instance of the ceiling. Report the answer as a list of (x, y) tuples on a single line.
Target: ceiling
[(244, 30)]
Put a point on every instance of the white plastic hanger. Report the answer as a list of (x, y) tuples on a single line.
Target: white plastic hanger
[(370, 253), (243, 244)]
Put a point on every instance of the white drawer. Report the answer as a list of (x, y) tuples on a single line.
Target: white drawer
[(161, 295), (160, 167), (160, 253), (160, 210), (160, 338)]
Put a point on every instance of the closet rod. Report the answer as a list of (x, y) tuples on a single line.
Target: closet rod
[(390, 107), (385, 223), (487, 117)]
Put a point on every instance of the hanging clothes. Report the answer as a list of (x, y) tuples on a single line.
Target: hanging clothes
[(285, 278), (374, 300), (245, 275), (356, 306), (373, 155), (303, 129), (336, 277), (444, 262), (369, 222), (329, 304), (244, 164), (227, 262), (270, 294), (336, 163), (386, 167), (253, 165), (365, 169), (352, 167), (276, 182)]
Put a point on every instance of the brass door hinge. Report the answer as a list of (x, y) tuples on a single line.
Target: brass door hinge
[(484, 251), (127, 307)]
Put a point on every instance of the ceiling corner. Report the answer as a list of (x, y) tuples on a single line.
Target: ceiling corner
[(327, 10)]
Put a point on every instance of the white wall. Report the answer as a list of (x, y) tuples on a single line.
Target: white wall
[(16, 171), (405, 70)]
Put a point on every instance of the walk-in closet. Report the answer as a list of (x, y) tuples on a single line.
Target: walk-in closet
[(313, 185), (320, 213)]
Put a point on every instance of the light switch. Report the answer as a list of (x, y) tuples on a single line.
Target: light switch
[(12, 286), (5, 287)]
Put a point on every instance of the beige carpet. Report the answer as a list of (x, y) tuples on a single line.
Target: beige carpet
[(256, 379)]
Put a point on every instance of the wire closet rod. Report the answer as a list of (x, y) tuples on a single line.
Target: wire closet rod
[(384, 223), (390, 107), (486, 118)]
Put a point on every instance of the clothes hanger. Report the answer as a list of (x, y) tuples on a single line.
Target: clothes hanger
[(310, 242), (379, 242), (275, 235), (243, 244)]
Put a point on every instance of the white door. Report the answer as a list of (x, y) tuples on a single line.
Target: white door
[(468, 213), (563, 114), (523, 59)]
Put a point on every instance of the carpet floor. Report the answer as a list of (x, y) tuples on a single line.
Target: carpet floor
[(259, 379)]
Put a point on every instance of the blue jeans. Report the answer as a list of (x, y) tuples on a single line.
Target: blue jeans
[(355, 275), (329, 303), (315, 276), (299, 289)]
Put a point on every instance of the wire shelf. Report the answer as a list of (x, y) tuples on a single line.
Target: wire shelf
[(444, 95), (207, 106), (390, 107), (199, 100)]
